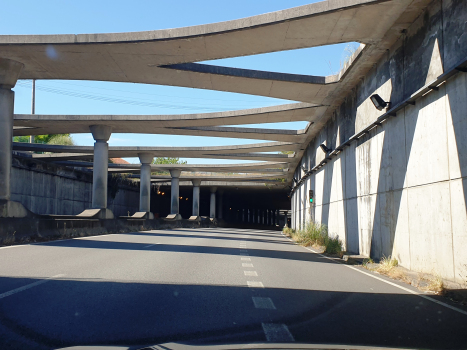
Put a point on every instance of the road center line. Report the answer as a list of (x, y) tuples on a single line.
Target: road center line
[(28, 286), (247, 265), (391, 283), (151, 245), (250, 273), (255, 284), (245, 259), (277, 333), (263, 303)]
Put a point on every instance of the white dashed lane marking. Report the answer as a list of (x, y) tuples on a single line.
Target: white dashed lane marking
[(277, 333), (255, 284), (263, 303), (151, 245), (246, 259), (28, 286), (247, 265), (250, 273)]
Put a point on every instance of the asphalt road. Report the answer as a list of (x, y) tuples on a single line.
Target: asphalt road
[(207, 286)]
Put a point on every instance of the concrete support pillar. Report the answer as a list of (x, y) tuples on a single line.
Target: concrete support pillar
[(248, 216), (220, 203), (196, 184), (101, 134), (145, 182), (174, 192), (243, 215), (9, 73), (7, 98), (259, 216), (212, 208), (263, 217)]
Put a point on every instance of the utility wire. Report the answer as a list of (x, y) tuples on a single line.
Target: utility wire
[(134, 101)]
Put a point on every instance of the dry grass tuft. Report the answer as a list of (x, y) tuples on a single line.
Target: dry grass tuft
[(316, 235), (386, 265), (435, 285)]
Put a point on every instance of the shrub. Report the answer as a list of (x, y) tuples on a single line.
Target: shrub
[(386, 264), (288, 231), (316, 234)]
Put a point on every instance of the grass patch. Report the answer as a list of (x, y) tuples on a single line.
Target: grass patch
[(435, 285), (387, 264), (315, 234)]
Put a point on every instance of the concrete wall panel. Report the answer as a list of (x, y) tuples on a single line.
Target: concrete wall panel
[(400, 190), (456, 113), (44, 189), (426, 144), (368, 158), (430, 229), (352, 229), (459, 228)]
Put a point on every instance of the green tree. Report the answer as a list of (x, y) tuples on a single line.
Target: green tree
[(168, 160), (50, 139)]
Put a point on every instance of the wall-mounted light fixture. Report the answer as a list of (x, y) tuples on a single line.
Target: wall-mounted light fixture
[(324, 148), (379, 103)]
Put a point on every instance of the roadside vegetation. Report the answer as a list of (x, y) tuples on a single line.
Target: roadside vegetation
[(389, 266), (315, 235), (50, 139)]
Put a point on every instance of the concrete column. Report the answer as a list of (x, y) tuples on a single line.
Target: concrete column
[(220, 203), (243, 215), (259, 216), (212, 208), (145, 182), (174, 192), (101, 134), (263, 217), (196, 184), (9, 73), (7, 98), (248, 216)]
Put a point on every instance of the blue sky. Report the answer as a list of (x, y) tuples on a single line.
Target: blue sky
[(83, 97)]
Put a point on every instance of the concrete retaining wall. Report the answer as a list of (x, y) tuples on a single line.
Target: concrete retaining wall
[(44, 188), (401, 190)]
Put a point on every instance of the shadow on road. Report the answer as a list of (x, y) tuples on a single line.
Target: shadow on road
[(67, 312)]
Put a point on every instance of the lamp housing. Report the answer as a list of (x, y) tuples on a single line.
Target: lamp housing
[(378, 102), (324, 148)]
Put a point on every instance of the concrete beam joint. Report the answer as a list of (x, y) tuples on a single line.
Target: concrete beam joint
[(146, 158), (101, 132), (175, 173), (9, 73), (196, 182)]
